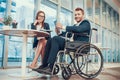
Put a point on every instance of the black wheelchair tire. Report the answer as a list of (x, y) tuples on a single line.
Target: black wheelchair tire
[(66, 73), (79, 71)]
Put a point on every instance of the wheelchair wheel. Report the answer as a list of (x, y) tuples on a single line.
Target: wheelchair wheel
[(92, 61), (66, 73), (56, 69), (80, 62)]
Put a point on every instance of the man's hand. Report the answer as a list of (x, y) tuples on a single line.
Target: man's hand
[(59, 26), (57, 31)]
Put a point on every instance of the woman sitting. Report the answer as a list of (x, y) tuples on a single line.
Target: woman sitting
[(39, 42)]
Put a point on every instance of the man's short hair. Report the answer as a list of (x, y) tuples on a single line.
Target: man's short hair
[(80, 9)]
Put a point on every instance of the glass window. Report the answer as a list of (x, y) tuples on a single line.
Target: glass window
[(65, 17), (68, 2), (22, 13), (110, 20), (50, 16), (15, 51), (2, 11), (1, 49), (109, 44), (108, 17), (95, 34), (94, 38), (117, 23), (105, 40), (116, 27), (2, 8), (114, 20), (117, 48), (112, 17), (89, 7), (97, 11), (114, 51), (104, 13), (54, 0), (78, 3)]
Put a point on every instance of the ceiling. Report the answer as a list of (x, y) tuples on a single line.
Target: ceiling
[(118, 3), (115, 4)]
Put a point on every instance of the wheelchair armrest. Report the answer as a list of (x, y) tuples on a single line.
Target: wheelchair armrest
[(82, 34), (94, 29), (68, 37)]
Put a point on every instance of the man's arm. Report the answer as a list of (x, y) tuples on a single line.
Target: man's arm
[(84, 26)]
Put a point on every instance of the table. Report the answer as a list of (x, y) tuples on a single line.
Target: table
[(25, 33)]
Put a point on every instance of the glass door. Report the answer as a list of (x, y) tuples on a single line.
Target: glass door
[(1, 49)]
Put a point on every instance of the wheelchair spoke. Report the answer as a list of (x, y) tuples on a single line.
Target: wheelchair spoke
[(91, 61)]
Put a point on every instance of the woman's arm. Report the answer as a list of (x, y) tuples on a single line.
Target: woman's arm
[(33, 26)]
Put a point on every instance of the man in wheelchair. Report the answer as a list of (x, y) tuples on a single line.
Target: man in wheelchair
[(57, 43)]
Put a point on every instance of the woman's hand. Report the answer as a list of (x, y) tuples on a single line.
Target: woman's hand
[(36, 21)]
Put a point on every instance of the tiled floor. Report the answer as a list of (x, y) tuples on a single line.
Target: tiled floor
[(111, 71)]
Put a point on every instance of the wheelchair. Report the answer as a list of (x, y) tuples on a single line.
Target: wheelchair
[(86, 59)]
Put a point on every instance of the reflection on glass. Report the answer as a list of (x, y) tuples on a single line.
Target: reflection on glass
[(54, 0), (68, 2), (114, 20), (95, 35), (2, 11), (89, 7), (117, 48), (97, 11), (50, 17), (22, 13), (15, 51), (65, 18), (79, 3), (114, 51), (104, 13), (108, 17), (117, 23), (1, 49)]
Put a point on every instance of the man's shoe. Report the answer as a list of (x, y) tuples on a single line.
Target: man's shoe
[(47, 70), (40, 68)]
